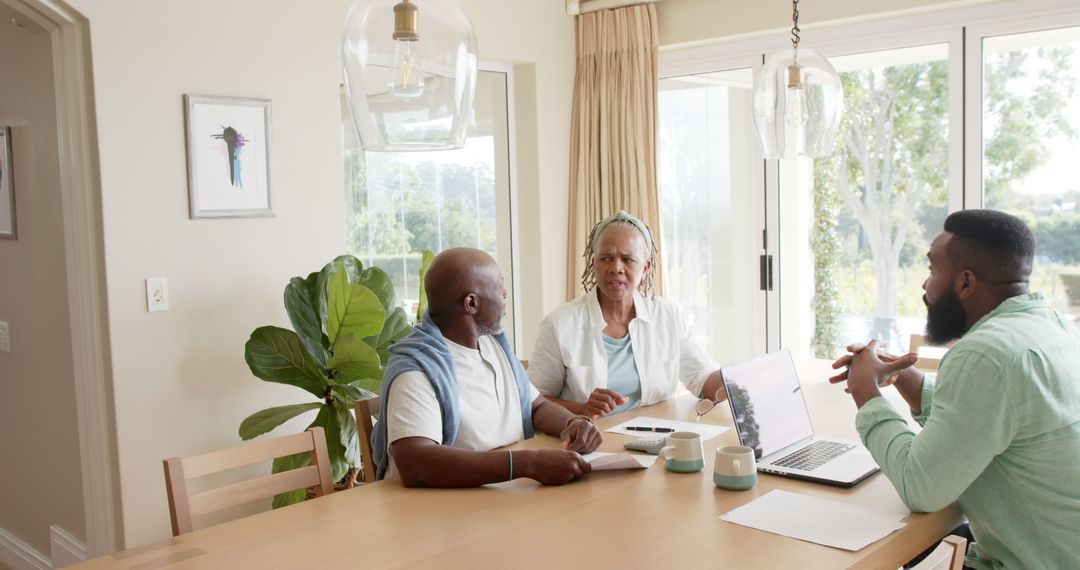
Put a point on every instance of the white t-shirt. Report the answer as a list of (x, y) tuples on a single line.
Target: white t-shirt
[(490, 410)]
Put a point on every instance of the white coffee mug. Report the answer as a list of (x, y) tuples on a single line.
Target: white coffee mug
[(735, 468), (683, 453)]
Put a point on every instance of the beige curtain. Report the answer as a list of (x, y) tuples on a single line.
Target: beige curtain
[(613, 129)]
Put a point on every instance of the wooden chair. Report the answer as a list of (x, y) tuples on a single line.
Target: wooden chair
[(926, 362), (183, 507), (949, 555), (365, 423)]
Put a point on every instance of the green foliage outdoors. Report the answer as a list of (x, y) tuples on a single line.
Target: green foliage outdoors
[(401, 207), (345, 318), (890, 170), (825, 243)]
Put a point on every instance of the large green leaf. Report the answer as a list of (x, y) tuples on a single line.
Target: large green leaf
[(275, 354), (302, 305), (353, 359), (335, 449), (351, 309), (394, 329), (373, 385), (352, 266), (288, 463), (380, 284), (261, 422), (347, 435), (351, 392), (425, 263)]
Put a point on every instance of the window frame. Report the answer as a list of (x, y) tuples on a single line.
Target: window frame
[(961, 28)]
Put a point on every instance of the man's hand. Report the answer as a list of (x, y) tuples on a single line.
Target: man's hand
[(581, 436), (867, 370), (553, 466), (602, 402)]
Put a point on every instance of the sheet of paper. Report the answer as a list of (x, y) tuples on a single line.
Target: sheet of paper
[(706, 431), (602, 461), (821, 521)]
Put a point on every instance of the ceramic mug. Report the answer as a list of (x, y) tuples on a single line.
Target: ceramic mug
[(683, 453), (735, 468)]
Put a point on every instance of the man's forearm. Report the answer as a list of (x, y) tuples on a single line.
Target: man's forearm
[(433, 465), (551, 416), (910, 386), (570, 405)]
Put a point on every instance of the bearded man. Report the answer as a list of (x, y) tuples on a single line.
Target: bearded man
[(1001, 421)]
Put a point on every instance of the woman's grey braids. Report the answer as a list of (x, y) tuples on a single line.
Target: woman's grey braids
[(588, 277)]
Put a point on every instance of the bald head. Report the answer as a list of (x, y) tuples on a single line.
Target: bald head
[(464, 286)]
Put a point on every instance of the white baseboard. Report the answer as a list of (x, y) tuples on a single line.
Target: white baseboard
[(19, 555), (66, 549)]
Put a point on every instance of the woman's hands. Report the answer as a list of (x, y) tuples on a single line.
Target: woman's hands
[(602, 402)]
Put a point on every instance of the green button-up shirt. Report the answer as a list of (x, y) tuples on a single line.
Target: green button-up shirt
[(1001, 434)]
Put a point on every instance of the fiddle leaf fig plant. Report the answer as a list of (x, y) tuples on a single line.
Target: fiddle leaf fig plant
[(344, 319)]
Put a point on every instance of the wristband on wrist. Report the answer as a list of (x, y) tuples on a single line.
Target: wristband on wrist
[(576, 417), (510, 454)]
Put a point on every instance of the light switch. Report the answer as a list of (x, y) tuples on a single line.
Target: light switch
[(157, 294), (5, 337)]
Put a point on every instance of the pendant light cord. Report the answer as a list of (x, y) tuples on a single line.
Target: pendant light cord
[(795, 29)]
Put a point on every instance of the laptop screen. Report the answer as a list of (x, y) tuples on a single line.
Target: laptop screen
[(767, 403)]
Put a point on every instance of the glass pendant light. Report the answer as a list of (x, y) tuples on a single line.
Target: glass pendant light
[(409, 68), (798, 101)]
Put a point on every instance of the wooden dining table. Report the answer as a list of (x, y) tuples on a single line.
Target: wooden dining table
[(646, 518)]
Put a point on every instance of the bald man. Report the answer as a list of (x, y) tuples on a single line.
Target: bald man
[(453, 391)]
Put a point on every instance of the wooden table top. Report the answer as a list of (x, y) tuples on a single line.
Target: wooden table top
[(639, 518)]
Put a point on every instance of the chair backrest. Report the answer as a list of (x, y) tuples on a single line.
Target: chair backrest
[(949, 555), (183, 507), (365, 423), (927, 362)]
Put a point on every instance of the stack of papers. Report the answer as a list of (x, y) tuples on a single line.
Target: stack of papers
[(706, 431), (816, 520), (602, 461)]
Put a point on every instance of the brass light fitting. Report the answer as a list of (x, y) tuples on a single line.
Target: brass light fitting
[(406, 15)]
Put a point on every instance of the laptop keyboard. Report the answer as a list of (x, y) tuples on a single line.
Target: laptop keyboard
[(813, 456)]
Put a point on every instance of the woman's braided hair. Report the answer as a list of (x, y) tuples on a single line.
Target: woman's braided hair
[(588, 277)]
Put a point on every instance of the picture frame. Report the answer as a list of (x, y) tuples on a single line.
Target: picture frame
[(228, 156), (8, 229)]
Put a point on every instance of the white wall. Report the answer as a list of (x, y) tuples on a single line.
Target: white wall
[(40, 481), (180, 382)]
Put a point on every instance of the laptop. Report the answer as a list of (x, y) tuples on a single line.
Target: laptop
[(770, 416)]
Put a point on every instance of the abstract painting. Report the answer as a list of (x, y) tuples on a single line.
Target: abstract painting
[(228, 147), (7, 186)]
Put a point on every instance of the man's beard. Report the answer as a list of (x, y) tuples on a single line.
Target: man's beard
[(494, 329), (946, 319)]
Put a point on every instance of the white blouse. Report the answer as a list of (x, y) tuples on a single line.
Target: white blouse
[(569, 360)]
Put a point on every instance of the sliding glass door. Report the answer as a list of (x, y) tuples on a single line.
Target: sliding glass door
[(711, 215), (1029, 116), (856, 225), (977, 108)]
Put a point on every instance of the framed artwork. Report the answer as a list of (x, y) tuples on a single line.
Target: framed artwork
[(228, 153), (7, 187)]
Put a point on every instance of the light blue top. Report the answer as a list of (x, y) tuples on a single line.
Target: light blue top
[(1001, 435), (622, 372)]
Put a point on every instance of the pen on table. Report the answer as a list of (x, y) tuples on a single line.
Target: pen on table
[(656, 429)]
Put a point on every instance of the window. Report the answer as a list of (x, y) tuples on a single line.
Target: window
[(1030, 145), (964, 108), (400, 204), (708, 156), (864, 217)]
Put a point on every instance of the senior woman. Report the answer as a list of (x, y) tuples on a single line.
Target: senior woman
[(615, 348)]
